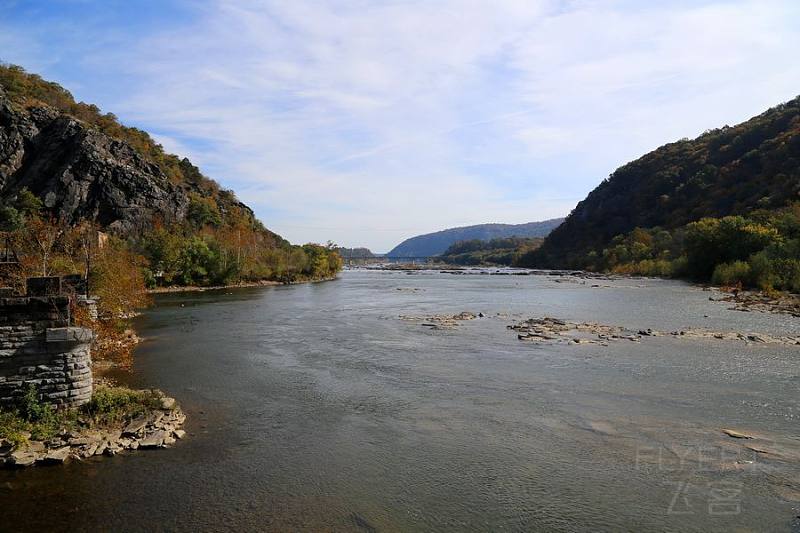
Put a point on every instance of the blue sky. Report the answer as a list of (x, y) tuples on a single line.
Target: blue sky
[(366, 122)]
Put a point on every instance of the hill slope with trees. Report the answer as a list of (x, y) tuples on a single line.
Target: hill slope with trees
[(721, 206), (505, 251), (69, 164), (726, 171)]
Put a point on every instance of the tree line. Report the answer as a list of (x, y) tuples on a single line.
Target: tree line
[(760, 250), (202, 250)]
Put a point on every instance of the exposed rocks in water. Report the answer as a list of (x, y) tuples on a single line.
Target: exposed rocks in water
[(549, 330), (442, 321), (786, 304), (754, 338), (736, 434), (157, 429)]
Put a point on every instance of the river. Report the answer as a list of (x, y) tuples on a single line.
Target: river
[(314, 407)]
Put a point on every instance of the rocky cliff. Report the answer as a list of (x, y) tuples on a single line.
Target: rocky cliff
[(81, 173)]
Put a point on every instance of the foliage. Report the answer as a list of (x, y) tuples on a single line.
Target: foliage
[(31, 409), (117, 278), (203, 212), (732, 274), (10, 218), (761, 250), (731, 171), (31, 416), (108, 406), (500, 251), (219, 242)]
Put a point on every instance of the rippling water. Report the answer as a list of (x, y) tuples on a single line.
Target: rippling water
[(314, 407)]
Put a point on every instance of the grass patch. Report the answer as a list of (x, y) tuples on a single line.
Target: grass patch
[(109, 406)]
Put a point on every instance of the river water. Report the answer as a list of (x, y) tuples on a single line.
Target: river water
[(314, 407)]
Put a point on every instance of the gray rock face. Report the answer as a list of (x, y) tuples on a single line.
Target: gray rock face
[(23, 458), (81, 173), (57, 456)]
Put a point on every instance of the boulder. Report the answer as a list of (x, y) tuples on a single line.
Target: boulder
[(137, 425), (35, 446), (153, 440), (735, 434), (101, 448), (57, 456), (22, 458), (167, 403), (83, 441)]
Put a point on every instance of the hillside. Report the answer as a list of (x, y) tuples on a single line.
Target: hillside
[(355, 253), (436, 243), (727, 171), (68, 164), (85, 165), (504, 251)]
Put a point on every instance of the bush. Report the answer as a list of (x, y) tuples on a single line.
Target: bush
[(109, 405), (33, 416), (728, 274), (31, 409), (112, 404)]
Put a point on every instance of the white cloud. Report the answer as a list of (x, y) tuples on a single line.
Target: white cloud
[(366, 122)]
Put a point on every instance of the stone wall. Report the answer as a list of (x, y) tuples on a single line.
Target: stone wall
[(38, 346)]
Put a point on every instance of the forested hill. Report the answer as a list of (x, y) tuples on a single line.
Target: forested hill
[(85, 165), (436, 243), (727, 171), (66, 163)]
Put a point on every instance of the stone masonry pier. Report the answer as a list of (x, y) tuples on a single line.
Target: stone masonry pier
[(39, 346)]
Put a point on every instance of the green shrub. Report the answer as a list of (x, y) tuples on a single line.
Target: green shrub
[(727, 274), (111, 404), (32, 409)]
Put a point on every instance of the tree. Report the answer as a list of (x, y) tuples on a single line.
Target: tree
[(41, 238)]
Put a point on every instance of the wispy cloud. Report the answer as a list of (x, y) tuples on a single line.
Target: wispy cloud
[(366, 122)]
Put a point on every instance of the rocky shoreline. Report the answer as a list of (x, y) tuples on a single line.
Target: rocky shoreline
[(747, 301), (548, 330), (159, 428), (244, 285)]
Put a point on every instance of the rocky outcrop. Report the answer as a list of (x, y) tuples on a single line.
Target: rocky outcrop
[(159, 428), (81, 173), (549, 330), (442, 321)]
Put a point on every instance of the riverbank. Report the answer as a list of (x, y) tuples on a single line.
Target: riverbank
[(242, 285), (117, 419), (764, 302)]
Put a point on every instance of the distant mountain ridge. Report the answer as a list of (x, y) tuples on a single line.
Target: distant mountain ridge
[(436, 243)]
